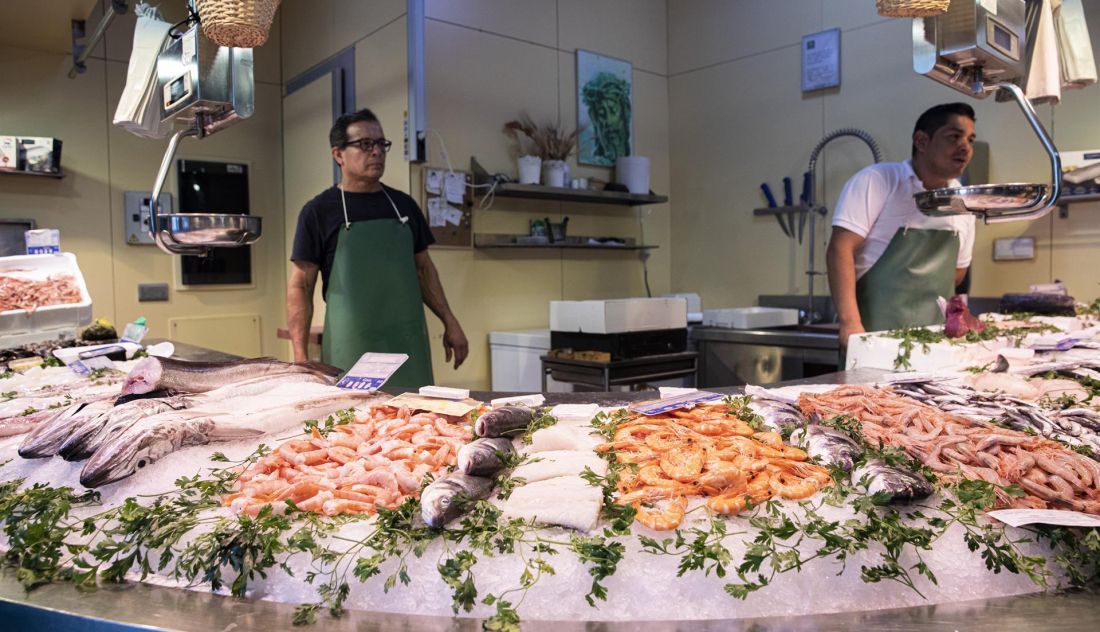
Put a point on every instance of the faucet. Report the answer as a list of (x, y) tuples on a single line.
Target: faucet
[(811, 314)]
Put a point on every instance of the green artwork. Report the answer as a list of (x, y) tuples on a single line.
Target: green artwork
[(603, 108)]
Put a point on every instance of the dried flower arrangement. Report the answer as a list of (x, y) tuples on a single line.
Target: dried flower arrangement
[(548, 142)]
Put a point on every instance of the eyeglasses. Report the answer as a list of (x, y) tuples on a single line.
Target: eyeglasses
[(367, 145)]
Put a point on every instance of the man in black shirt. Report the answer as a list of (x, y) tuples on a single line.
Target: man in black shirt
[(370, 244)]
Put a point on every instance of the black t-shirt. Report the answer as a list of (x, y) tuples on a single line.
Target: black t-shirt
[(322, 218)]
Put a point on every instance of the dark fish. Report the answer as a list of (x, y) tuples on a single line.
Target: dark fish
[(446, 499), (44, 441), (829, 446), (155, 373), (85, 438), (504, 421), (484, 457), (897, 483), (160, 392)]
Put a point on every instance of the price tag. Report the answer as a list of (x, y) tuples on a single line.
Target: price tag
[(1020, 517), (371, 371), (659, 406), (86, 366), (453, 408)]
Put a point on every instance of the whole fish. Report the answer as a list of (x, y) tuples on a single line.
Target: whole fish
[(86, 439), (829, 446), (777, 415), (154, 373), (503, 421), (484, 457), (448, 498), (151, 438), (44, 441), (28, 423), (895, 483)]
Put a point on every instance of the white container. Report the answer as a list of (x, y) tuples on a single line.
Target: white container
[(618, 315), (554, 172), (633, 172), (50, 317), (530, 168), (750, 317), (516, 364), (9, 153)]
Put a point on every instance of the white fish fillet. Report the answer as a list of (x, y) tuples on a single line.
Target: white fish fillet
[(554, 463), (567, 501), (575, 414), (560, 437)]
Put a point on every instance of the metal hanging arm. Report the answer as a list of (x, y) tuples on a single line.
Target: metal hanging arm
[(117, 8)]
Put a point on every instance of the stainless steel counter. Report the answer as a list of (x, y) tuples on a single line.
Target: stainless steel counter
[(60, 607), (763, 356)]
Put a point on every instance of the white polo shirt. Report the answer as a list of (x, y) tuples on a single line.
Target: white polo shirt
[(878, 200)]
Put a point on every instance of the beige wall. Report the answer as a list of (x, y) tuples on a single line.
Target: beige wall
[(101, 162), (739, 118)]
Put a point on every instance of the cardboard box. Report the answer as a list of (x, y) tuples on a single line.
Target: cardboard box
[(40, 154), (618, 315), (9, 153)]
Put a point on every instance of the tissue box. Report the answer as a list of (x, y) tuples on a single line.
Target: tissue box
[(618, 315), (41, 154), (9, 153)]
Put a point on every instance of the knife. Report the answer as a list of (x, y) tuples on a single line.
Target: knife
[(771, 204), (788, 202), (805, 199)]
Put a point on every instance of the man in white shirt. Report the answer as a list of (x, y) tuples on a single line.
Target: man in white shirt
[(887, 261)]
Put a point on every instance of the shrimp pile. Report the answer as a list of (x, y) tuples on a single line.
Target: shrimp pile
[(706, 451), (379, 460), (20, 293), (1052, 475)]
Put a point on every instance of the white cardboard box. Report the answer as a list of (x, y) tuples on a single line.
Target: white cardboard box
[(9, 153), (49, 317), (750, 317), (618, 315)]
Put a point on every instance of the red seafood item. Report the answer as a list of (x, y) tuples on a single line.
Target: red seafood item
[(959, 319)]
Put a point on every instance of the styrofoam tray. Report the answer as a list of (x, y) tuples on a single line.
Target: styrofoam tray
[(39, 268), (750, 317)]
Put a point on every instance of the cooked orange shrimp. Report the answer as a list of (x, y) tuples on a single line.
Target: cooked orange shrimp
[(663, 519), (683, 465)]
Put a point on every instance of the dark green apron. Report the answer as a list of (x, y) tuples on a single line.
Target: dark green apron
[(374, 303), (901, 288)]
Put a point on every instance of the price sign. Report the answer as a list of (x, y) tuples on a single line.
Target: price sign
[(659, 406), (371, 371)]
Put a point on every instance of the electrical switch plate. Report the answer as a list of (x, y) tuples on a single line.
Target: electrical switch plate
[(135, 215), (152, 292), (1014, 249)]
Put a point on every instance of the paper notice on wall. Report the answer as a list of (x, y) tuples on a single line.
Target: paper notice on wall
[(452, 215), (433, 181), (437, 209), (454, 187)]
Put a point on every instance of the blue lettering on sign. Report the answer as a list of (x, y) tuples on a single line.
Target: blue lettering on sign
[(42, 250), (356, 383), (672, 403)]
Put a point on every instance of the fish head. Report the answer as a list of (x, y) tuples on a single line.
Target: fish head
[(132, 450), (143, 378)]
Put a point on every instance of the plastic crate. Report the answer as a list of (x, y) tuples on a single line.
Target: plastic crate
[(16, 323)]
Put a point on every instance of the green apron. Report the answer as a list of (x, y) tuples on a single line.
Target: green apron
[(901, 288), (373, 301)]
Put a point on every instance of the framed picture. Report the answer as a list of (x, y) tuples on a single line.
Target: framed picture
[(604, 108)]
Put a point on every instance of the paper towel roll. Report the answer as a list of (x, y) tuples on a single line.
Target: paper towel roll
[(633, 171)]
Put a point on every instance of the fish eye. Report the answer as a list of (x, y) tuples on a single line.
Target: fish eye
[(141, 464)]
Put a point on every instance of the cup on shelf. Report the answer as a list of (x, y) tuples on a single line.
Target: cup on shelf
[(554, 172), (529, 169), (633, 172)]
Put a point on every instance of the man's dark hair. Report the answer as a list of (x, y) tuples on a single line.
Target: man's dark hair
[(338, 135), (936, 117)]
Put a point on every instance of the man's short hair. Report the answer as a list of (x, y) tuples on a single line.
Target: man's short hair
[(936, 117), (338, 135)]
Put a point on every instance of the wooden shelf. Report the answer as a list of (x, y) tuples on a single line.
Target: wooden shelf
[(561, 194), (37, 174), (494, 240), (1073, 199)]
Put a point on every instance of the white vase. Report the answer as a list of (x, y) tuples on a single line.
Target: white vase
[(529, 167), (554, 173)]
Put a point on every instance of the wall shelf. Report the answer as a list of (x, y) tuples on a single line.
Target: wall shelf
[(35, 174), (494, 240), (1065, 200), (561, 194)]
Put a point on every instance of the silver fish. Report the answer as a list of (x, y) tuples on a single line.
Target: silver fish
[(446, 499), (154, 373), (151, 438), (503, 421), (895, 483), (777, 415), (44, 441), (483, 457), (829, 446)]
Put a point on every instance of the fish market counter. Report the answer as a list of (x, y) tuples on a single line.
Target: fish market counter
[(132, 606)]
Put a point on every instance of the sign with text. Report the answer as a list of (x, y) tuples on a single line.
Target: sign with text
[(372, 370), (659, 406)]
